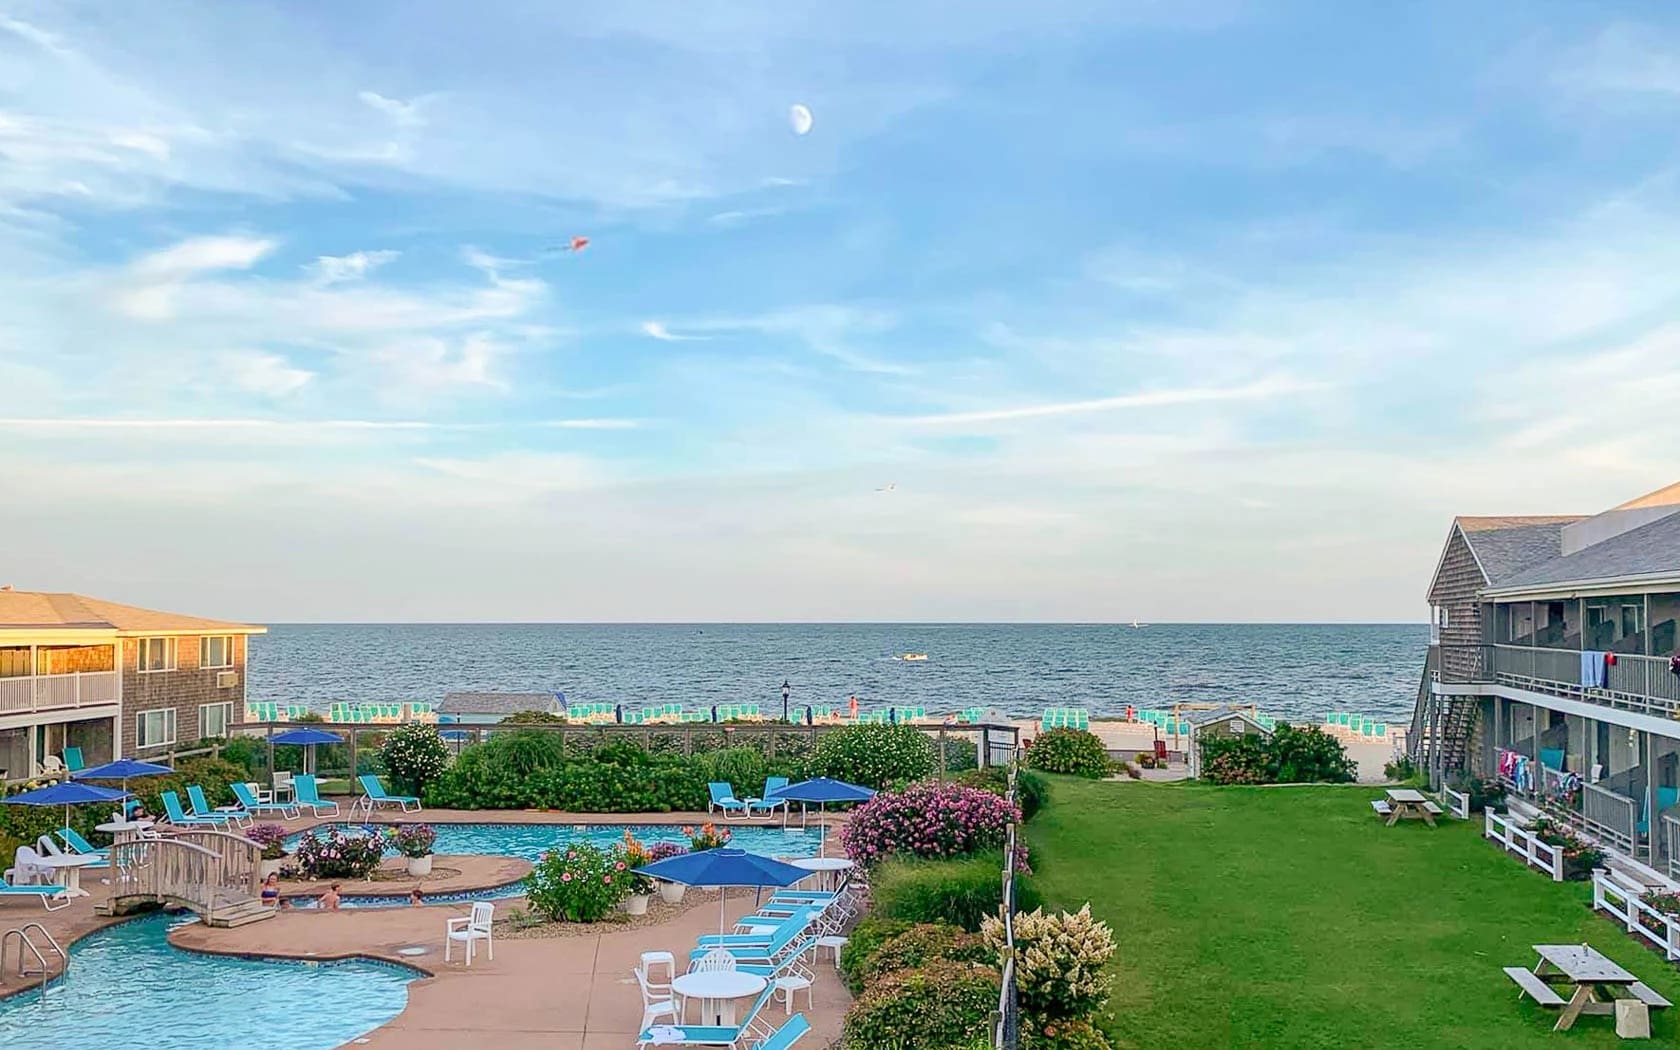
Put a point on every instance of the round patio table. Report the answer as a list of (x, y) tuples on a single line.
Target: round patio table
[(825, 868), (70, 866), (717, 991)]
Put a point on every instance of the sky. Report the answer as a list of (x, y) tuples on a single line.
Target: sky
[(1089, 310)]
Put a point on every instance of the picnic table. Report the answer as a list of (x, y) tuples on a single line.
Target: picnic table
[(1406, 804), (1595, 985)]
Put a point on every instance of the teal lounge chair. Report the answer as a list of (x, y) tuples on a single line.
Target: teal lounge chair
[(723, 797), (374, 794), (181, 818), (77, 844), (305, 791), (242, 792), (201, 808), (73, 760), (768, 804)]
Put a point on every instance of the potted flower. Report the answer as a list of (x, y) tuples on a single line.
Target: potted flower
[(706, 836), (415, 841), (629, 856), (669, 892), (272, 839), (1579, 856)]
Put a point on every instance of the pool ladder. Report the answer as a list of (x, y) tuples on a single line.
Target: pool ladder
[(26, 948)]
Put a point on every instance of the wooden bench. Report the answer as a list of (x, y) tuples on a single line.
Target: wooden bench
[(1534, 987), (1649, 996), (1382, 807), (1433, 809)]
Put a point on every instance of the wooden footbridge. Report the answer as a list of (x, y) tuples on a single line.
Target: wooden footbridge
[(216, 874)]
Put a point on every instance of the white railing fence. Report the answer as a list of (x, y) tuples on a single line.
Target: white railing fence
[(1006, 1032), (1611, 817), (52, 691), (1456, 803), (1671, 839), (1521, 842), (1613, 897)]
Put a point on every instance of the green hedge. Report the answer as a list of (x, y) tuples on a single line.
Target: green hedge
[(1288, 756), (1073, 751), (1031, 790), (877, 756), (964, 891), (941, 1005), (528, 770)]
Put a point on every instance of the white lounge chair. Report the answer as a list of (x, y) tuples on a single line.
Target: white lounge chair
[(469, 930)]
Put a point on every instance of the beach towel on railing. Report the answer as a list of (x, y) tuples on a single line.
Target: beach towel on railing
[(1592, 669)]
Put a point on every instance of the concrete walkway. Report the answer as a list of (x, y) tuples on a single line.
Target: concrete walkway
[(559, 993)]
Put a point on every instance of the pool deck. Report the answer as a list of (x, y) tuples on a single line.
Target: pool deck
[(561, 993)]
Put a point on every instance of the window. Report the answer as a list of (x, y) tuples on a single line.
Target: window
[(215, 650), (1442, 616), (213, 719), (157, 654), (154, 728)]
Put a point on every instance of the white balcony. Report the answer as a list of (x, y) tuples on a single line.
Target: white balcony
[(55, 692)]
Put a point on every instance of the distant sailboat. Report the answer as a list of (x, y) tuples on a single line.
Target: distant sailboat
[(1138, 626)]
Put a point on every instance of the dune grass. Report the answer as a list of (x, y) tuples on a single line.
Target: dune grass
[(1292, 918)]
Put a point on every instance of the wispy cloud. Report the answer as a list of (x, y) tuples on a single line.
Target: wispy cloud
[(1263, 390), (331, 269), (657, 330), (403, 114)]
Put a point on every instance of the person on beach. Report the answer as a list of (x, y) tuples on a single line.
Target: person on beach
[(271, 890), (416, 898), (330, 899)]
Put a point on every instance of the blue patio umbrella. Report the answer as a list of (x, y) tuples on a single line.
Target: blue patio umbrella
[(722, 868), (122, 769), (306, 737), (822, 791), (69, 793)]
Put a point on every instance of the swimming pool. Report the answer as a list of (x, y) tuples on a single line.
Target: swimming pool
[(128, 987), (529, 841)]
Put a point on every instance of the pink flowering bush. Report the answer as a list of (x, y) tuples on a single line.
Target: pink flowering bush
[(333, 853), (578, 882), (928, 819)]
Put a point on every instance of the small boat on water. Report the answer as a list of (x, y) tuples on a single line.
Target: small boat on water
[(914, 657), (1138, 626)]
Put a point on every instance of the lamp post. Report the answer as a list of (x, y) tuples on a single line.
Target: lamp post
[(786, 691)]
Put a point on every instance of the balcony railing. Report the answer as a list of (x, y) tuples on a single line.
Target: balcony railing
[(1634, 683), (52, 692)]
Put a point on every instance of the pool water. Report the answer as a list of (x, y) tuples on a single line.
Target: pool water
[(128, 987)]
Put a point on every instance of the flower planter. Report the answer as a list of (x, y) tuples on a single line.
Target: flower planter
[(672, 892), (418, 866), (265, 868), (636, 904)]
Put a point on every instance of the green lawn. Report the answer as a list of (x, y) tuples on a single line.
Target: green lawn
[(1292, 918)]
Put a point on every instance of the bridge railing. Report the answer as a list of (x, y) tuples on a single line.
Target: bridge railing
[(198, 868)]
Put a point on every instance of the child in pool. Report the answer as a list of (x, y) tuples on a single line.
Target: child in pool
[(330, 899), (416, 898)]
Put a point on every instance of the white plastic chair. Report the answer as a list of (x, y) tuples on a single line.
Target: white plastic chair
[(46, 847), (653, 1006), (713, 961), (471, 929), (25, 871), (282, 782)]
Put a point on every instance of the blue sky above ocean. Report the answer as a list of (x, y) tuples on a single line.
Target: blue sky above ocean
[(1070, 311)]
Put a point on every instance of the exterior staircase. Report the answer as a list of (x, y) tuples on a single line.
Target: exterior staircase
[(1439, 740)]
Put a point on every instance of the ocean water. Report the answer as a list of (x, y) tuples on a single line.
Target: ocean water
[(1290, 670)]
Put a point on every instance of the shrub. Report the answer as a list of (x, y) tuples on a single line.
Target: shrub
[(876, 756), (928, 819), (1579, 856), (664, 851), (860, 948), (528, 770), (1059, 961), (1484, 792), (248, 753), (919, 945), (1402, 768), (1031, 790), (1146, 759), (743, 768), (413, 840), (1078, 1034), (1072, 751), (1289, 756), (964, 892), (942, 1005), (272, 839), (582, 884), (533, 718), (414, 756), (332, 853)]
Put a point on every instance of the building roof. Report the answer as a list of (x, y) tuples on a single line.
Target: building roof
[(497, 703), (1505, 546), (60, 611), (1203, 719), (1650, 550)]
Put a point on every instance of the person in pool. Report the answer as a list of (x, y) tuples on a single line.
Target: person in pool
[(271, 890), (330, 899), (416, 898)]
